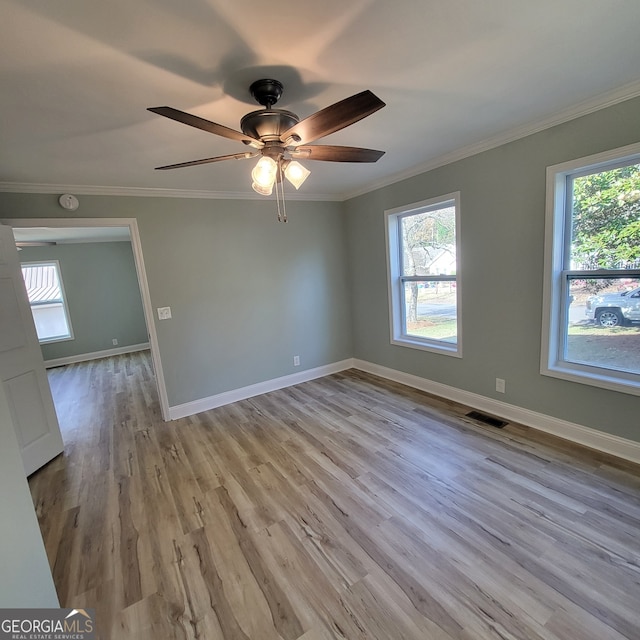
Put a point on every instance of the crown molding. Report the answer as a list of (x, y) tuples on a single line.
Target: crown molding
[(145, 192), (602, 101)]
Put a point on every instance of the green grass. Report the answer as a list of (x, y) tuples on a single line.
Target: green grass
[(435, 328)]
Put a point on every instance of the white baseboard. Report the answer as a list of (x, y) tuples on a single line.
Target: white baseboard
[(592, 438), (95, 355), (235, 395), (586, 436)]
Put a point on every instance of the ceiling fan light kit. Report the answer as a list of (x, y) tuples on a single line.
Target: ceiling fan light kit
[(280, 137), (264, 175), (295, 173)]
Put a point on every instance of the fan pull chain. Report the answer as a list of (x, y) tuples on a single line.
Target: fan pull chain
[(284, 204), (282, 214), (278, 198)]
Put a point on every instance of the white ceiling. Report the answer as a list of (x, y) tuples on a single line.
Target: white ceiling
[(76, 78)]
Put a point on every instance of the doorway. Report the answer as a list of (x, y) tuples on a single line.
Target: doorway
[(125, 228)]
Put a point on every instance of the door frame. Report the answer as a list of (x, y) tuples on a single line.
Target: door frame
[(136, 245)]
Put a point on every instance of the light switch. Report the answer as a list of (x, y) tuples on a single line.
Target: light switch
[(164, 313)]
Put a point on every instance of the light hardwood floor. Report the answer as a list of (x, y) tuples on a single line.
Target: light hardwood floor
[(347, 507)]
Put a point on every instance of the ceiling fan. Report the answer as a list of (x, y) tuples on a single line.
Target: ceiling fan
[(281, 138), (36, 243)]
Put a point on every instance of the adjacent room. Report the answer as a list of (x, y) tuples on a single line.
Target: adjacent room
[(321, 322)]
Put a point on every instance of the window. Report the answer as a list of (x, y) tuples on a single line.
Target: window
[(424, 289), (591, 327), (46, 296)]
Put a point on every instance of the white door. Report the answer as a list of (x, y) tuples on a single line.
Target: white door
[(22, 372)]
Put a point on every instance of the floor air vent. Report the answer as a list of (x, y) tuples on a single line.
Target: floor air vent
[(490, 420)]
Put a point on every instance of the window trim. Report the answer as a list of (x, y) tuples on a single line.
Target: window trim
[(63, 301), (395, 280), (556, 244)]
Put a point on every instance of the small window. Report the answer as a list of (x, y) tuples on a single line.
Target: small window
[(46, 297), (592, 314), (424, 282)]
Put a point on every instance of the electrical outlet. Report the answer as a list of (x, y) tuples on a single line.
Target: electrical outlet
[(296, 361), (164, 313), (114, 342), (500, 385)]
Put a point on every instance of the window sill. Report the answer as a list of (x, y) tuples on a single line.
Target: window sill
[(610, 382), (444, 348), (54, 340)]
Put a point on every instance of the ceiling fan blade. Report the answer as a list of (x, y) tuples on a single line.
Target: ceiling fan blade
[(193, 163), (334, 153), (206, 125), (36, 243), (333, 118)]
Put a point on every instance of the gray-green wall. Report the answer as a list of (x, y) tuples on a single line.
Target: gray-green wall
[(103, 296), (502, 235), (247, 293)]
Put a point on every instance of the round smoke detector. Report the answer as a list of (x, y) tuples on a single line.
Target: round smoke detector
[(68, 202)]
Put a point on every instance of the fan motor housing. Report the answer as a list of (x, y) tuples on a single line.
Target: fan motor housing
[(268, 124)]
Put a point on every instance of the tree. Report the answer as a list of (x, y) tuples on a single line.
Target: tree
[(606, 219), (424, 235)]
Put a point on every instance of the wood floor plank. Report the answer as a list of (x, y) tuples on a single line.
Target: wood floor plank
[(348, 508), (481, 611), (128, 543), (326, 541), (388, 612), (286, 558), (221, 599), (449, 536), (283, 616)]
